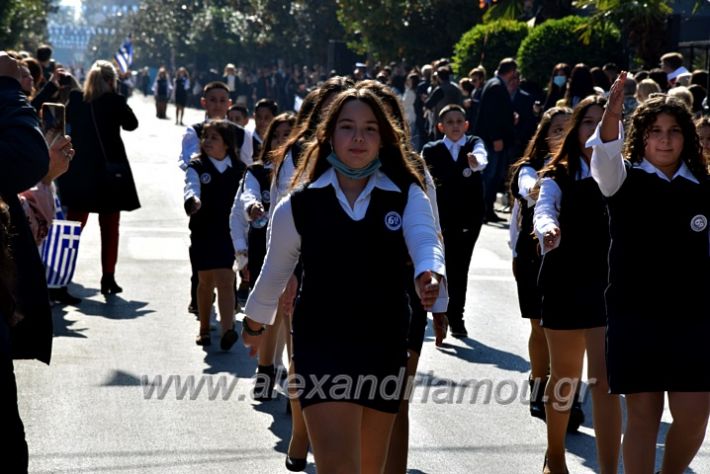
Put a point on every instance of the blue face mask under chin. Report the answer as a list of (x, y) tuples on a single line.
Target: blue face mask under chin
[(353, 173), (559, 81)]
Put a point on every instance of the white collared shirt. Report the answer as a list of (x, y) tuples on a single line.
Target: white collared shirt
[(252, 192), (284, 246), (608, 166), (479, 151), (192, 179), (191, 146), (527, 179)]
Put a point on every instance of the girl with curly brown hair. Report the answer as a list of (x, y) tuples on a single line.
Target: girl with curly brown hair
[(659, 272)]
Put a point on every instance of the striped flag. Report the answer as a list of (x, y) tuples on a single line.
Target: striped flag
[(124, 55), (59, 252)]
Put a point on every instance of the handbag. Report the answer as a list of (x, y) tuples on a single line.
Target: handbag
[(116, 173)]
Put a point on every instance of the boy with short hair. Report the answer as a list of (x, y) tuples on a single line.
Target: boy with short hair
[(264, 112), (455, 163), (238, 114), (216, 102)]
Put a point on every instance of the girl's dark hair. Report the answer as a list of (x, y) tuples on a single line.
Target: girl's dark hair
[(566, 158), (310, 114), (599, 78), (394, 107), (551, 86), (645, 116), (266, 153), (538, 147), (392, 153), (580, 84), (223, 127)]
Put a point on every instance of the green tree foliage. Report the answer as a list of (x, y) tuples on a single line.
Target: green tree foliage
[(487, 44), (416, 30), (559, 41), (642, 25), (23, 23)]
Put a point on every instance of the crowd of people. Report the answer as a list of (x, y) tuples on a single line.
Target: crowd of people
[(340, 207)]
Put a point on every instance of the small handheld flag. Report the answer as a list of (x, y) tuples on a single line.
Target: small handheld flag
[(124, 55)]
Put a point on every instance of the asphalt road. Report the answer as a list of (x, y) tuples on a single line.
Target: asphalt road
[(92, 410)]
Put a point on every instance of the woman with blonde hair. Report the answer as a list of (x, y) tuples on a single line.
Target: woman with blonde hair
[(645, 88), (100, 179)]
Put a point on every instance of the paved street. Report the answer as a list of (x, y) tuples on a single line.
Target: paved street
[(90, 412)]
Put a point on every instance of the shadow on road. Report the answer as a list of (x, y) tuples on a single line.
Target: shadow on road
[(480, 353), (236, 361)]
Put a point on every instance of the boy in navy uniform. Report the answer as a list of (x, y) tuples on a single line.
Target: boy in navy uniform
[(264, 112), (216, 102), (455, 164)]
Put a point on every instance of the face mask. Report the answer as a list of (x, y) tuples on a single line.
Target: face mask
[(559, 80), (352, 173)]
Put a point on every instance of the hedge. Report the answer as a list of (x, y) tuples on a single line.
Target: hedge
[(487, 44), (557, 41)]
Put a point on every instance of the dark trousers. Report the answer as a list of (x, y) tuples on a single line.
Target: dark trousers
[(493, 176), (458, 247), (108, 221), (13, 448)]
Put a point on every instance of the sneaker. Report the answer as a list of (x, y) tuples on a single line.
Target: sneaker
[(458, 329), (61, 295)]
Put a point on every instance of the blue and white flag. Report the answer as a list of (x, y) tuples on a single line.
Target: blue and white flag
[(124, 55), (59, 252)]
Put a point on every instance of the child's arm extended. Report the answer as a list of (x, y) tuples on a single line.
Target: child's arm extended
[(607, 164), (192, 192), (547, 212), (250, 197)]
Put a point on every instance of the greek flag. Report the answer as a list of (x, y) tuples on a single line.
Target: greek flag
[(59, 252), (124, 55)]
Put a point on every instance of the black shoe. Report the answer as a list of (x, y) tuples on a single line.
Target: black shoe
[(192, 308), (228, 339), (61, 295), (109, 285), (457, 329), (537, 398), (265, 381), (576, 417), (296, 464)]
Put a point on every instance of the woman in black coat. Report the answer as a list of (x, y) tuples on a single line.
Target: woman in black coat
[(100, 179)]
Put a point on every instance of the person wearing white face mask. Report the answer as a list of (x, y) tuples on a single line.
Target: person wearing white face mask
[(557, 86)]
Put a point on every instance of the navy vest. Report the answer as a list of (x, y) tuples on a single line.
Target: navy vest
[(217, 191), (351, 269), (526, 245), (459, 189), (660, 248)]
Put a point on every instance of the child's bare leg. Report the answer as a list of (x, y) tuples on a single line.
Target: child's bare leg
[(205, 292), (690, 412), (224, 278)]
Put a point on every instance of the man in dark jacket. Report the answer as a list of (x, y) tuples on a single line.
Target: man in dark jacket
[(495, 125), (444, 94), (24, 160)]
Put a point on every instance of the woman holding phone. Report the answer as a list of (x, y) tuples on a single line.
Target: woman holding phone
[(100, 178)]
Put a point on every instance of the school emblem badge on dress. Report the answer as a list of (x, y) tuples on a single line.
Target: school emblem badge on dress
[(467, 172), (699, 223), (266, 196), (393, 221), (205, 178)]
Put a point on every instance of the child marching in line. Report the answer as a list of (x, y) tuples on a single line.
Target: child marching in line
[(264, 112), (659, 274), (255, 202), (526, 255), (215, 100), (455, 164), (211, 182), (570, 221)]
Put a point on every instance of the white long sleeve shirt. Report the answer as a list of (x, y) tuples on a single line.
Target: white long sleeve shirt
[(547, 208), (285, 242), (191, 146), (527, 179), (608, 168), (479, 151)]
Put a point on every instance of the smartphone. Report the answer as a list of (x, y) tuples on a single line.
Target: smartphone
[(54, 119)]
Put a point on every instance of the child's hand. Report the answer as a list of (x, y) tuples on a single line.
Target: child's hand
[(256, 210), (192, 205), (551, 239), (472, 161), (615, 104), (441, 325), (427, 284)]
